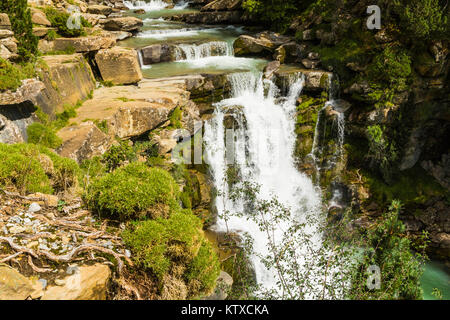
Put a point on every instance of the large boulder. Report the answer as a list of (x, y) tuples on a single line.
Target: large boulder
[(123, 24), (15, 286), (5, 23), (100, 9), (80, 45), (223, 5), (124, 112), (158, 53), (68, 79), (263, 45), (119, 65), (39, 17), (86, 283)]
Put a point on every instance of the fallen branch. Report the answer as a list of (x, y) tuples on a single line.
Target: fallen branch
[(17, 247), (86, 247), (35, 268), (11, 257)]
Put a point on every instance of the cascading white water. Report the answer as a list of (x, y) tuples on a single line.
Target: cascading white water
[(187, 52), (151, 5), (264, 148)]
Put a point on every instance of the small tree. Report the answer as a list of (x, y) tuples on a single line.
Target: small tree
[(20, 17)]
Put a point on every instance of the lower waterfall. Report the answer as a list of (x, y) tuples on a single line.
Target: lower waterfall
[(263, 143)]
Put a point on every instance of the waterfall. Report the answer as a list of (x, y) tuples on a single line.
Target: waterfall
[(141, 60), (152, 5), (338, 123), (264, 141), (196, 52)]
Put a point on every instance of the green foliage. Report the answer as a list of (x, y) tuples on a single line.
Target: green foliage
[(62, 118), (51, 35), (204, 269), (390, 250), (11, 75), (29, 168), (382, 153), (392, 68), (20, 17), (175, 118), (118, 154), (414, 186), (44, 135), (422, 19), (176, 247), (276, 12), (133, 192), (59, 19)]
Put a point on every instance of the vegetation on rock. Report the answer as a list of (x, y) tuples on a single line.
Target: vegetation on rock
[(29, 168), (176, 247), (134, 192)]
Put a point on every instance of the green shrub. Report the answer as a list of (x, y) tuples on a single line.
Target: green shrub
[(20, 17), (203, 270), (134, 191), (117, 155), (59, 19), (29, 168), (422, 19), (175, 118), (11, 75), (51, 35), (175, 246), (392, 67), (389, 248), (62, 118), (43, 135)]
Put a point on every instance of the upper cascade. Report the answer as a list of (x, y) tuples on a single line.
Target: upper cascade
[(204, 50)]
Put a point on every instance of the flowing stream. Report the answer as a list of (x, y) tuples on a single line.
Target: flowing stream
[(264, 142)]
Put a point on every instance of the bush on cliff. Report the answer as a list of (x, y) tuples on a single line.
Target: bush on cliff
[(28, 168), (389, 248), (20, 17), (422, 19), (59, 20), (134, 192), (11, 75), (175, 248), (43, 135)]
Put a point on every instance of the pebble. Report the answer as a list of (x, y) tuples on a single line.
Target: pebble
[(43, 247), (34, 207), (16, 229), (44, 283), (127, 253), (60, 282)]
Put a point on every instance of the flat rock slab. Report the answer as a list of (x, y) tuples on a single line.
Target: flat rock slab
[(125, 111)]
